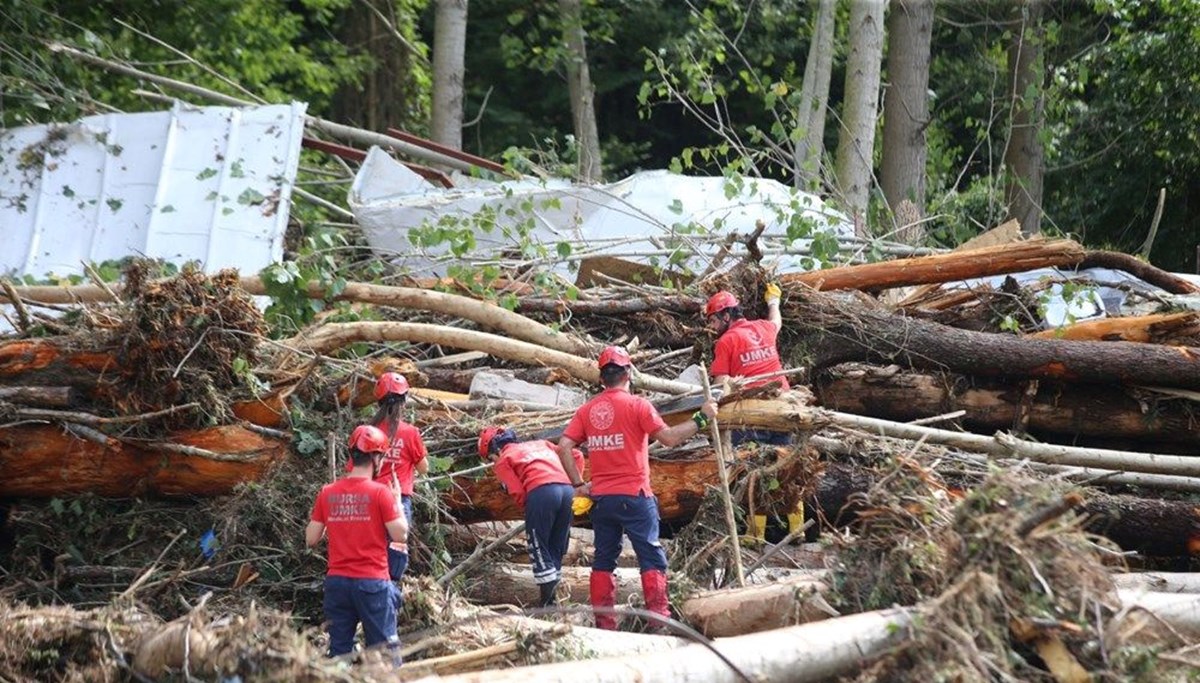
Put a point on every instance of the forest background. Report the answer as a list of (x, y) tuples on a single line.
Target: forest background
[(951, 116)]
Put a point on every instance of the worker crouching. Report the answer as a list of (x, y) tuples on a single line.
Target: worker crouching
[(533, 475)]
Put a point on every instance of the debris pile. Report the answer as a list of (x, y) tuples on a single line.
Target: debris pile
[(952, 551)]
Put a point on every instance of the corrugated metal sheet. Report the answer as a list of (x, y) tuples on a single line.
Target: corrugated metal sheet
[(208, 184)]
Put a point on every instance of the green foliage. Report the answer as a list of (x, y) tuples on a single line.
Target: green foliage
[(272, 48), (288, 282)]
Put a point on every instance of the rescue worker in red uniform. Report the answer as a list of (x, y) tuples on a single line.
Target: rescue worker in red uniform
[(358, 516), (746, 348), (615, 427), (532, 474), (405, 456)]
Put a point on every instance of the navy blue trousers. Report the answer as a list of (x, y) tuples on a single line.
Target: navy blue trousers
[(632, 516), (348, 602), (548, 518), (398, 561)]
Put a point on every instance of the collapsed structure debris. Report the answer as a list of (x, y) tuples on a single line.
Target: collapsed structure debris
[(989, 542)]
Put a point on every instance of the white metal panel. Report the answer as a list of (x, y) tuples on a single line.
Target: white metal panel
[(209, 184)]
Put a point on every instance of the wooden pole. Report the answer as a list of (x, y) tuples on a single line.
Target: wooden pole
[(714, 432)]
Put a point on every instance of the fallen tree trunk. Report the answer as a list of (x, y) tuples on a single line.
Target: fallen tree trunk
[(847, 331), (1158, 582), (679, 484), (327, 338), (1053, 408), (957, 265), (799, 653), (1163, 328), (680, 303), (459, 381), (1001, 259), (1003, 445), (738, 611), (39, 461), (1160, 528)]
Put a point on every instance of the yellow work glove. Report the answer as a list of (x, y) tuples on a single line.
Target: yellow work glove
[(772, 294), (581, 505)]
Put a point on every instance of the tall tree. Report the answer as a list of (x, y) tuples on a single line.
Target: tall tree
[(1023, 157), (814, 97), (906, 113), (449, 49), (582, 92), (856, 141)]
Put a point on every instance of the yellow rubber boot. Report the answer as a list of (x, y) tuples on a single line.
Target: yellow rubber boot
[(796, 518), (756, 534)]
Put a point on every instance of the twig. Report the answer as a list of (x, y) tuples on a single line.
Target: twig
[(1056, 509), (192, 350), (719, 450), (94, 276), (92, 420), (198, 452), (480, 552), (938, 418), (15, 300), (153, 566)]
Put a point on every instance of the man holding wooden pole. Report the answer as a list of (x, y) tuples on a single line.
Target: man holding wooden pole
[(746, 348), (616, 427)]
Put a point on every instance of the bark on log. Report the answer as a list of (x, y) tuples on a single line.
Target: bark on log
[(738, 611), (680, 303), (39, 461), (327, 338), (958, 265), (1005, 446), (1158, 582), (778, 415), (44, 397), (1159, 528), (459, 381), (1163, 328), (1058, 411), (1138, 268), (798, 653), (679, 484), (851, 331)]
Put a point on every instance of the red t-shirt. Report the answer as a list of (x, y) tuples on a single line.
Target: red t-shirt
[(746, 349), (615, 426), (523, 467), (354, 511), (406, 450)]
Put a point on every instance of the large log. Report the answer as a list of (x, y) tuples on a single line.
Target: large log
[(810, 652), (847, 330), (1159, 528), (1001, 259), (45, 397), (332, 336), (949, 267), (680, 485), (88, 373), (459, 381), (738, 611), (40, 461), (1161, 328), (1055, 409)]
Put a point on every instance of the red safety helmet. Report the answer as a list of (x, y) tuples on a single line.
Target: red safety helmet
[(485, 440), (390, 383), (368, 439), (719, 302), (614, 354)]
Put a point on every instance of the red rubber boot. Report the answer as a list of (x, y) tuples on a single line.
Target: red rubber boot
[(604, 594), (654, 591)]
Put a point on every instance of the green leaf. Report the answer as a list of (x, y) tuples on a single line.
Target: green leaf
[(251, 197), (206, 174)]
